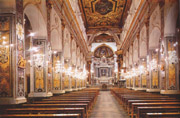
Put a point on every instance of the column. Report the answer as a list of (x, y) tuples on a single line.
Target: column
[(91, 71), (74, 78), (67, 77), (154, 71), (12, 62), (57, 73), (170, 49), (171, 69), (39, 68)]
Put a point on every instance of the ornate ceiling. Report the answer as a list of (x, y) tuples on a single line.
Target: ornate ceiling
[(103, 51), (104, 14)]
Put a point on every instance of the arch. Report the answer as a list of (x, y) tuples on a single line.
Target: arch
[(170, 18), (104, 32), (103, 50), (55, 42), (36, 20), (56, 31), (155, 19), (154, 38), (73, 52), (67, 44), (81, 60), (143, 42), (78, 57), (130, 54), (110, 45), (135, 50), (155, 28), (127, 58)]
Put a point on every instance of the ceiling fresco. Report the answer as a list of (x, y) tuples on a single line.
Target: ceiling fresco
[(104, 13), (103, 51), (103, 38)]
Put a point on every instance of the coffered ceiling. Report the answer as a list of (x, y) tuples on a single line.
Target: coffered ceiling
[(104, 14)]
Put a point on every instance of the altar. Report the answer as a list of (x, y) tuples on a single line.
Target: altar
[(104, 80)]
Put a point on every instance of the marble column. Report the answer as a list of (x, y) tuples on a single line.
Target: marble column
[(67, 77), (154, 71), (39, 68), (12, 62), (57, 73), (171, 70)]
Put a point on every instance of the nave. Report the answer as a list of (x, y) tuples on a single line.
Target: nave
[(56, 57)]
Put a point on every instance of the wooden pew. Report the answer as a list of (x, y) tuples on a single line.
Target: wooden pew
[(90, 105), (135, 105), (39, 115), (58, 106), (163, 115), (148, 101), (45, 111), (71, 103), (131, 99), (143, 110)]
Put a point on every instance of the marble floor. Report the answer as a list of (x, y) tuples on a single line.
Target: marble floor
[(107, 107)]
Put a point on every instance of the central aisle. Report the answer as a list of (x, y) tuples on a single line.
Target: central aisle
[(107, 107)]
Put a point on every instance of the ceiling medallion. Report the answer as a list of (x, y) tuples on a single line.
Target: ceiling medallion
[(103, 7)]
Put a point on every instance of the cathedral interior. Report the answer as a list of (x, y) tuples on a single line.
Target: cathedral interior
[(89, 58)]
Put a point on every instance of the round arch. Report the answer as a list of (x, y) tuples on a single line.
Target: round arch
[(154, 38), (104, 32), (55, 40), (36, 20)]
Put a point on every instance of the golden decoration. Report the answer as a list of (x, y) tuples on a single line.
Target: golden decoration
[(21, 62)]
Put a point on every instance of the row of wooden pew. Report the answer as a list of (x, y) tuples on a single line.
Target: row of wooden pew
[(70, 105), (140, 104)]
